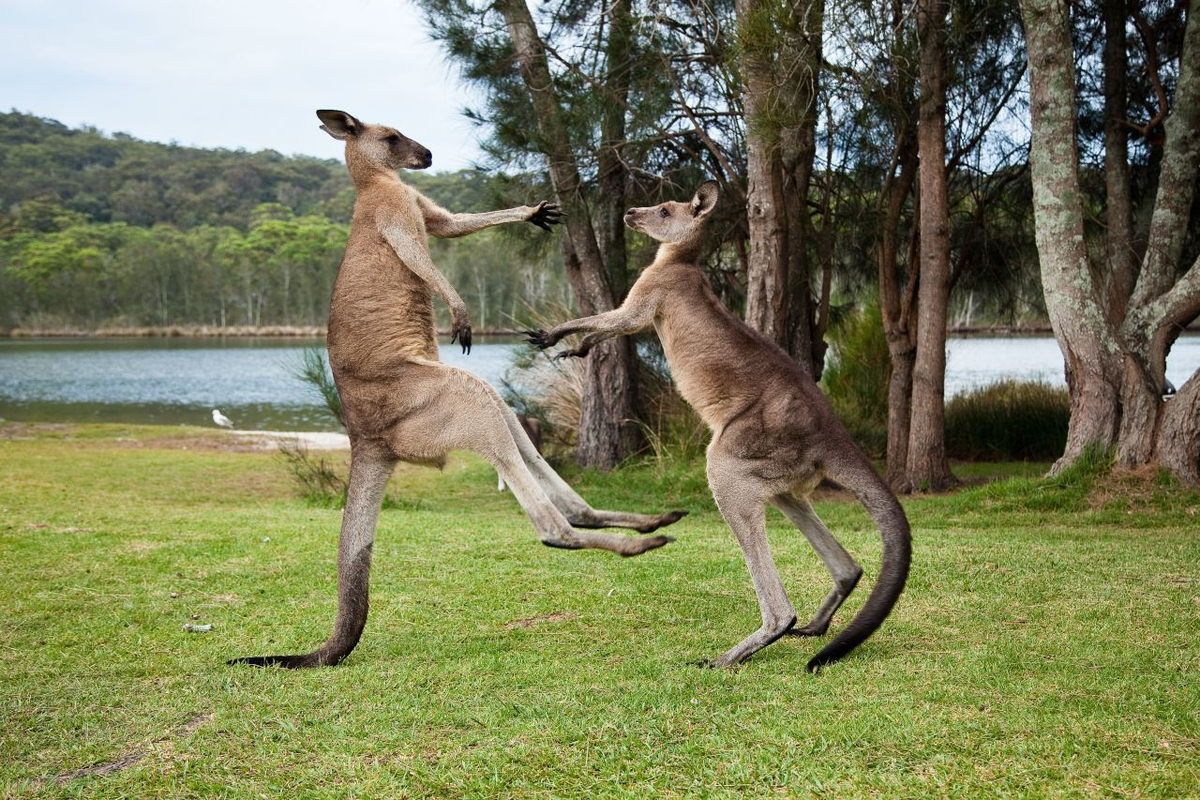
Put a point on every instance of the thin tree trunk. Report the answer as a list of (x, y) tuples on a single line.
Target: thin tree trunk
[(900, 341), (611, 172), (780, 47), (607, 431), (1118, 217), (927, 468)]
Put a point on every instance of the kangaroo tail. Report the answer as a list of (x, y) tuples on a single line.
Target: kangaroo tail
[(889, 517)]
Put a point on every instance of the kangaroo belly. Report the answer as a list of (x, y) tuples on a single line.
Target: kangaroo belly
[(381, 316)]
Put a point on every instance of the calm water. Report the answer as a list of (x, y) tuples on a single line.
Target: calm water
[(177, 381), (180, 381)]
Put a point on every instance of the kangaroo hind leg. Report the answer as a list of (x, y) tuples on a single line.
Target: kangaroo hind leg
[(842, 567), (746, 515), (475, 422), (577, 510)]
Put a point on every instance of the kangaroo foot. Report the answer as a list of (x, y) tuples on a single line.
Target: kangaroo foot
[(639, 546), (663, 520)]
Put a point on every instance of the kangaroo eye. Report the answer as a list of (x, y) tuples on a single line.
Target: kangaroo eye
[(662, 212), (393, 139)]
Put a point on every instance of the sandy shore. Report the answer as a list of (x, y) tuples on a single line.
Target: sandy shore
[(313, 440)]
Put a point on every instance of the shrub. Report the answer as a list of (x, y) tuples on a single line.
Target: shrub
[(1008, 421), (320, 483), (855, 378)]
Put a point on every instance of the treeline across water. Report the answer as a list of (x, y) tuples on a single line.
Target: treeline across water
[(104, 231)]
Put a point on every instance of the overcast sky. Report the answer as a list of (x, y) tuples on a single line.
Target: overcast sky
[(220, 73)]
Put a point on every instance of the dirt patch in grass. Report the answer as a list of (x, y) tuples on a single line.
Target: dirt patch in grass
[(529, 622), (1141, 489), (134, 755), (27, 431)]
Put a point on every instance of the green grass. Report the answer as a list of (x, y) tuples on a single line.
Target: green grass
[(1047, 643)]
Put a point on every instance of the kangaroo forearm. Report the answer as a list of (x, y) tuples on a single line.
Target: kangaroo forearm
[(593, 339), (606, 325), (449, 226), (417, 259)]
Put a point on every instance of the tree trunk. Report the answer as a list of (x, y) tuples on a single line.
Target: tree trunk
[(1072, 298), (1178, 446), (607, 431), (1118, 215), (1115, 370), (780, 61), (927, 468), (611, 173), (894, 311)]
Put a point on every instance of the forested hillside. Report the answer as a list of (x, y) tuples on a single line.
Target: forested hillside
[(99, 231)]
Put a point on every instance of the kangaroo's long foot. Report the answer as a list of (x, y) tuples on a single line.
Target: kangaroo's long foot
[(615, 543), (663, 520), (642, 523), (829, 606)]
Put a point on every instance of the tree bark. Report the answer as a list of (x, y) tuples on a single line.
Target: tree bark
[(780, 47), (1118, 216), (900, 340), (611, 172), (1072, 298), (607, 432), (1178, 446), (927, 468)]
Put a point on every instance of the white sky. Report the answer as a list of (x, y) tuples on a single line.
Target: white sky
[(221, 73)]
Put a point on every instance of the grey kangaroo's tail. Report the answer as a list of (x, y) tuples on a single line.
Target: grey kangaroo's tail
[(889, 517)]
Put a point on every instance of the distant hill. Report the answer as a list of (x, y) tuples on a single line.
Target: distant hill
[(101, 232), (117, 178)]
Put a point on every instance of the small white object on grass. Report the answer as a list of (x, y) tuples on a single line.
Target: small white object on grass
[(190, 628), (221, 419)]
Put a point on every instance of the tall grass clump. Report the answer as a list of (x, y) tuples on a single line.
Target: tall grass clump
[(855, 378), (313, 370), (1009, 420), (321, 483)]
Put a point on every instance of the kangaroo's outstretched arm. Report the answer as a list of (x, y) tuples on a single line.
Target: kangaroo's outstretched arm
[(415, 256), (635, 314), (446, 225)]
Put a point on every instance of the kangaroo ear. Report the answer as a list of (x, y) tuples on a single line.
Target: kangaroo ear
[(706, 198), (339, 124)]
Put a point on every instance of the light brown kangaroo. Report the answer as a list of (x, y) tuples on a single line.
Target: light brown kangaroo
[(775, 435), (400, 403)]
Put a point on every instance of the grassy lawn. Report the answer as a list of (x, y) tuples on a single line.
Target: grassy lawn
[(1048, 642)]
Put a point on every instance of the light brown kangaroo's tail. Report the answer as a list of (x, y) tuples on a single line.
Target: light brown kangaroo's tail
[(368, 479), (889, 517)]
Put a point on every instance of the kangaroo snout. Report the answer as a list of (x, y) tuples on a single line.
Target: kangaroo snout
[(426, 159)]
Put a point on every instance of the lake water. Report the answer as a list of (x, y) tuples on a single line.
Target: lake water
[(179, 381)]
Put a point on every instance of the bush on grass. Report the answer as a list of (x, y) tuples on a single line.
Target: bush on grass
[(1008, 421), (855, 378)]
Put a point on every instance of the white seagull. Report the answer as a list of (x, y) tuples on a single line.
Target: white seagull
[(221, 419)]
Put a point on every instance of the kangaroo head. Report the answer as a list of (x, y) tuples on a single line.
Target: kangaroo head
[(376, 146), (675, 223)]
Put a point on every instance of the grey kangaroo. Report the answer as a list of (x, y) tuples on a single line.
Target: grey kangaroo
[(399, 401), (775, 435)]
